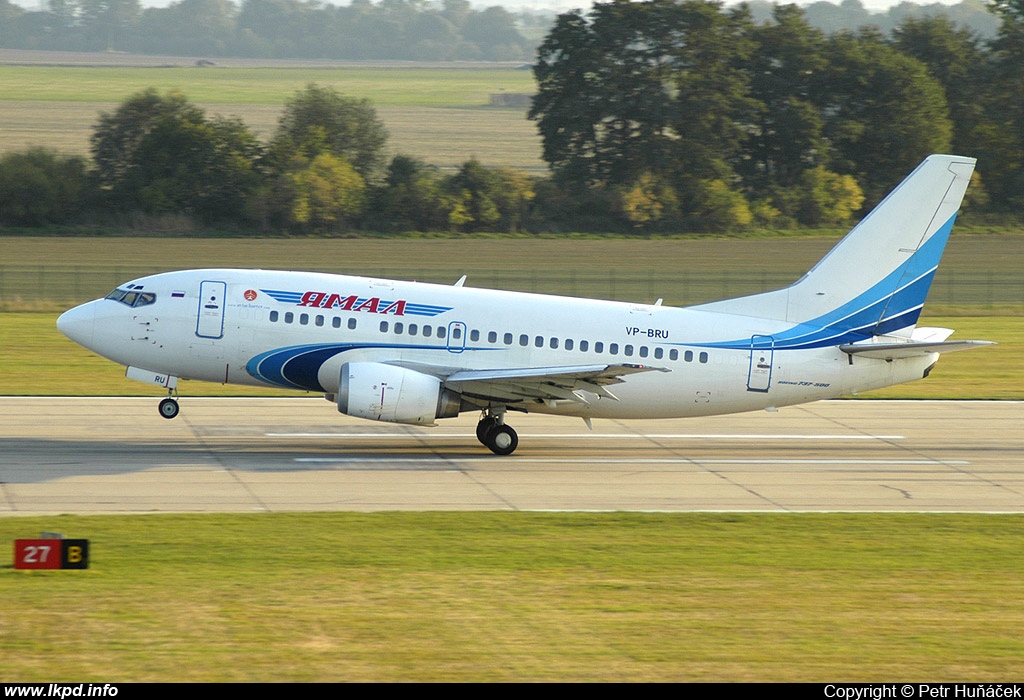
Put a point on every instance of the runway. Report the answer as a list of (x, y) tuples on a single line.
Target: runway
[(110, 455)]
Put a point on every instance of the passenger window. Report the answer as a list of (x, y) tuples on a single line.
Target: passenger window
[(659, 353), (441, 332), (584, 345), (569, 344), (428, 331), (613, 349), (628, 351), (413, 329), (688, 355), (492, 337), (456, 332), (383, 326), (673, 354), (336, 321), (274, 316), (508, 339), (352, 324), (538, 342), (599, 346), (399, 327), (643, 351), (304, 319), (524, 340), (474, 335), (703, 357), (289, 317), (319, 320)]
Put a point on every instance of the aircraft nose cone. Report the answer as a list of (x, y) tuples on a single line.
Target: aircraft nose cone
[(79, 324)]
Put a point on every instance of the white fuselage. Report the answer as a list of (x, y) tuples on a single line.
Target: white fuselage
[(296, 329)]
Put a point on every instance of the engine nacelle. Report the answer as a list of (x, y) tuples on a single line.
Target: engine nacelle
[(384, 392)]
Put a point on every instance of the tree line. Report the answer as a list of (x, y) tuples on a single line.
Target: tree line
[(324, 171), (418, 30), (392, 29), (660, 115), (691, 115)]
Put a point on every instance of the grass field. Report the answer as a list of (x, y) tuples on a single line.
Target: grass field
[(521, 597), (391, 86), (440, 114)]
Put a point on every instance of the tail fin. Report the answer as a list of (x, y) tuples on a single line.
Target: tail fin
[(876, 278)]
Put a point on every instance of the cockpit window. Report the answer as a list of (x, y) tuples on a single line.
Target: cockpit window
[(132, 298)]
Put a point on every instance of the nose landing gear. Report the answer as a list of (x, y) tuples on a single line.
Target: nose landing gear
[(492, 432)]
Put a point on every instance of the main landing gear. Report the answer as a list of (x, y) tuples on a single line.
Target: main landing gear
[(492, 432), (169, 407)]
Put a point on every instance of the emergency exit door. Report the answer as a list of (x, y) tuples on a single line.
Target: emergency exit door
[(762, 355)]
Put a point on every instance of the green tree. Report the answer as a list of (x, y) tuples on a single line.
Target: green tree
[(108, 25), (716, 206), (321, 120), (827, 198), (647, 201), (117, 136), (40, 187), (192, 27), (161, 154), (494, 31), (411, 198), (473, 197), (956, 59), (659, 87), (9, 16), (1002, 152), (326, 196), (885, 112), (786, 69), (513, 198)]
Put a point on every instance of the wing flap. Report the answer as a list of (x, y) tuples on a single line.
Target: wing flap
[(543, 383)]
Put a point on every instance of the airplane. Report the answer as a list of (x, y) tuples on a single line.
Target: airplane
[(413, 353)]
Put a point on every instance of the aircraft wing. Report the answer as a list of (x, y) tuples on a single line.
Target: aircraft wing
[(547, 384), (895, 351)]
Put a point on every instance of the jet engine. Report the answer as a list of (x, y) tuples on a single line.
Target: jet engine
[(385, 392)]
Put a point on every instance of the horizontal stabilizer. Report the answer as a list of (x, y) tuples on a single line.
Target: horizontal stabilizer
[(896, 351)]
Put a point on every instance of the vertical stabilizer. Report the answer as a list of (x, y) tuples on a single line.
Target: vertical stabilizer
[(876, 278)]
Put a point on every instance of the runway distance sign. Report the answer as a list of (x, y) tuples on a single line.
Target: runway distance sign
[(51, 554)]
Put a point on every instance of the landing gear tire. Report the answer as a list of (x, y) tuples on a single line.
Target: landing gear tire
[(486, 425), (502, 440), (169, 408)]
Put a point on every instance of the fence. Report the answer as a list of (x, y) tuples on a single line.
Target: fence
[(73, 284)]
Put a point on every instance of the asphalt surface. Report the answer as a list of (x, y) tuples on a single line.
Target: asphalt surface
[(109, 455)]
